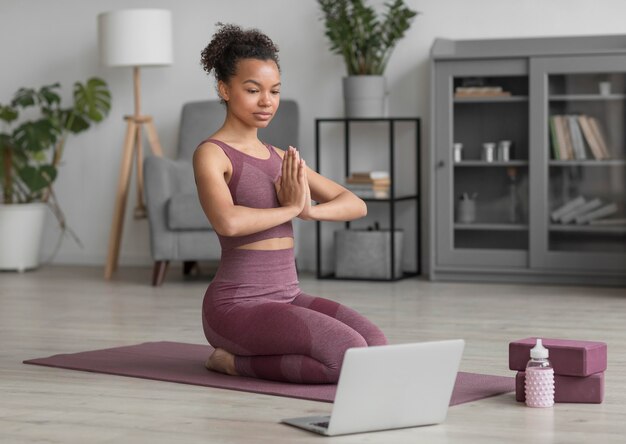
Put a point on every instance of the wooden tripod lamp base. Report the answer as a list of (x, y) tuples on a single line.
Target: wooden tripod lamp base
[(132, 149)]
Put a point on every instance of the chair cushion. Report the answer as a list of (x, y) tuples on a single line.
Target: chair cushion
[(185, 213)]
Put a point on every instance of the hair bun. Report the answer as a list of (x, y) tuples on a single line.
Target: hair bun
[(231, 43)]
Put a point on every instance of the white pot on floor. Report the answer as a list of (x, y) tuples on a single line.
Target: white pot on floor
[(21, 230)]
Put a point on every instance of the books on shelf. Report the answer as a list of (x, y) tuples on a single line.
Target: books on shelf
[(577, 137), (370, 174), (598, 148), (567, 138), (562, 142), (567, 207), (373, 182), (578, 145), (599, 135), (369, 184), (601, 212), (554, 138), (370, 193), (480, 91), (582, 211)]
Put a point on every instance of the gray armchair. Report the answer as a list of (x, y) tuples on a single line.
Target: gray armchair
[(179, 229)]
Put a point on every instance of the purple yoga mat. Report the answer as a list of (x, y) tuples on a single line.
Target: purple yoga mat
[(184, 363)]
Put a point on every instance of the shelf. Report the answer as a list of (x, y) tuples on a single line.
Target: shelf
[(491, 226), (368, 195), (591, 229), (491, 99), (387, 199), (590, 162), (496, 163), (586, 97), (366, 119)]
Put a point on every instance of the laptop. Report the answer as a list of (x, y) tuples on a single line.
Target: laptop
[(389, 387)]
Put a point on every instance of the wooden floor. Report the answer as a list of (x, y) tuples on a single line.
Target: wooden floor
[(70, 309)]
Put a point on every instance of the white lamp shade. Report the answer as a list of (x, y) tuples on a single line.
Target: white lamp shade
[(135, 37)]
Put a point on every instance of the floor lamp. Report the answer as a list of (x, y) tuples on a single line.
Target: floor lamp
[(133, 38)]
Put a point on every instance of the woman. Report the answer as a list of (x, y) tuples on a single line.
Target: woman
[(254, 313)]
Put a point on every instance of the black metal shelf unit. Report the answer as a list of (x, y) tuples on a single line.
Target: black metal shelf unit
[(390, 200)]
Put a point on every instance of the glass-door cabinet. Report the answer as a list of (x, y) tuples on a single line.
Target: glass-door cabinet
[(481, 164), (578, 156)]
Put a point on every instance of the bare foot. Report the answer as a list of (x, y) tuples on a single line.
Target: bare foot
[(222, 362)]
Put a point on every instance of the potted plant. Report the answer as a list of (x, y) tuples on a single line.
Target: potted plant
[(34, 129), (365, 41)]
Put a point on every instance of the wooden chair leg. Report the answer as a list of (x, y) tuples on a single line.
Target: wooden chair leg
[(188, 266), (158, 272)]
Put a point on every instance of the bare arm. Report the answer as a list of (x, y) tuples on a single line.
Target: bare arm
[(210, 166), (335, 203)]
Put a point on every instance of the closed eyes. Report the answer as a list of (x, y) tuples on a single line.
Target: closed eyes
[(254, 91)]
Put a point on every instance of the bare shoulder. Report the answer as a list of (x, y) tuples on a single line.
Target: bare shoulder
[(209, 154), (209, 149)]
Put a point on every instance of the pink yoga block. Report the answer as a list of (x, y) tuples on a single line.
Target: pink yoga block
[(588, 389), (568, 357)]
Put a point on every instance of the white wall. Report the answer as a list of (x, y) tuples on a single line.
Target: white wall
[(44, 42)]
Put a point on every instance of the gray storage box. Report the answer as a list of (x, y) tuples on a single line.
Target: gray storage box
[(367, 254)]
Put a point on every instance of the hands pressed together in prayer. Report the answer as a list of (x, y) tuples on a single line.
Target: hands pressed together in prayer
[(292, 187)]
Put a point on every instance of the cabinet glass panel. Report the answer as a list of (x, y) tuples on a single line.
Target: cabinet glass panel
[(490, 158), (587, 166)]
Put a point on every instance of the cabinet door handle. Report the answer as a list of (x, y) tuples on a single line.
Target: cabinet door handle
[(441, 164)]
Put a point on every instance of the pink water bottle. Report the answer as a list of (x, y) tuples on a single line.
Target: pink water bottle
[(539, 387)]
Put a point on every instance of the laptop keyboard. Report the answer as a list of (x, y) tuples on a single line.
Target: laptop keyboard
[(324, 425)]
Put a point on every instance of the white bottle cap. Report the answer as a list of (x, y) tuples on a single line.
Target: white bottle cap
[(539, 351)]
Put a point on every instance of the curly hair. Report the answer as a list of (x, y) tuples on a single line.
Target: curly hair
[(230, 44)]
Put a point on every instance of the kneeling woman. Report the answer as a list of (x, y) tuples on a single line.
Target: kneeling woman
[(254, 313)]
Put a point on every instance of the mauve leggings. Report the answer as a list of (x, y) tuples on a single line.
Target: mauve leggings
[(254, 309)]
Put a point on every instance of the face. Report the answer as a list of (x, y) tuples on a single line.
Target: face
[(253, 93)]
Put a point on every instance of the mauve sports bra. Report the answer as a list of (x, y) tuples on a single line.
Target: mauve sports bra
[(252, 185)]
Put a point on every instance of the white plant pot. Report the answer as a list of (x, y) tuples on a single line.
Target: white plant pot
[(21, 229), (364, 96)]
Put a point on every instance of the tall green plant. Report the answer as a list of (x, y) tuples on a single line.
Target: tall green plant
[(35, 128), (364, 40)]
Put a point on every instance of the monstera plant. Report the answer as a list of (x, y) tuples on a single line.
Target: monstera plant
[(32, 148), (35, 127)]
